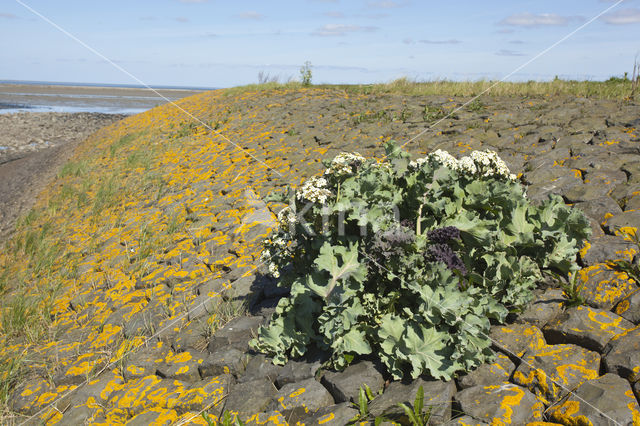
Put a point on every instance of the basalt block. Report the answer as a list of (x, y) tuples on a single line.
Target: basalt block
[(236, 333), (629, 307), (493, 373), (302, 399), (604, 286), (438, 397), (251, 397), (515, 339), (552, 371), (622, 355), (345, 386), (607, 400), (503, 403), (588, 327), (543, 308)]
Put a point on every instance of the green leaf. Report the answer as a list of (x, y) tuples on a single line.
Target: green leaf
[(355, 341), (418, 404), (341, 263)]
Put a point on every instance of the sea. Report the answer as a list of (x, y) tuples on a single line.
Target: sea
[(46, 96)]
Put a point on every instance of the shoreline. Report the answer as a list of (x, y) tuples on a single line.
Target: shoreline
[(33, 148), (74, 99)]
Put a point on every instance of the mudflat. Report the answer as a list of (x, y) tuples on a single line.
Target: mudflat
[(33, 146)]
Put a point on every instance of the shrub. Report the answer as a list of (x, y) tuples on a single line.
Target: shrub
[(305, 74), (411, 260)]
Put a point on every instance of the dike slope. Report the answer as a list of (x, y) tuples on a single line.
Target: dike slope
[(120, 283)]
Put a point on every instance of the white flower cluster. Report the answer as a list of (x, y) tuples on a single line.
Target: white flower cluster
[(267, 257), (488, 163), (485, 163), (343, 163), (314, 190), (286, 216)]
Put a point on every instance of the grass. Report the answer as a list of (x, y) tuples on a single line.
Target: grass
[(613, 88)]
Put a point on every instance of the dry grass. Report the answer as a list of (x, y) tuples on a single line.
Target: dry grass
[(614, 88)]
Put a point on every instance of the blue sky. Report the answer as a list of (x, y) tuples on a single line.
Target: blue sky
[(219, 43)]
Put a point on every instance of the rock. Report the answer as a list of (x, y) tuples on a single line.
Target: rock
[(604, 286), (245, 292), (260, 367), (515, 339), (543, 308), (146, 392), (580, 193), (627, 219), (78, 415), (503, 403), (182, 366), (540, 191), (296, 371), (607, 400), (622, 355), (603, 249), (79, 370), (600, 208), (337, 415), (629, 307), (438, 397), (251, 397), (99, 389), (192, 335), (202, 306), (209, 393), (552, 371), (236, 334), (496, 372), (299, 400), (145, 362), (588, 327), (224, 361), (156, 416), (470, 421), (345, 386)]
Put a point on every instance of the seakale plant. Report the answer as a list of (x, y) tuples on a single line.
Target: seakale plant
[(410, 260)]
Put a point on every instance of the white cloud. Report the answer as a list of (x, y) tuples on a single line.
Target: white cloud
[(182, 19), (251, 15), (8, 16), (385, 4), (333, 30), (527, 19), (623, 17), (450, 41), (506, 52)]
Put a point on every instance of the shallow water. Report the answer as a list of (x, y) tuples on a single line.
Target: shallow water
[(72, 99)]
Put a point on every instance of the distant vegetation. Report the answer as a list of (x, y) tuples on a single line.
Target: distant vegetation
[(621, 88)]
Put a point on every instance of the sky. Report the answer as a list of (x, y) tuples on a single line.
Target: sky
[(222, 43)]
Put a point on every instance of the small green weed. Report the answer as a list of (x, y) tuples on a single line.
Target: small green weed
[(572, 290), (305, 74), (476, 106), (433, 113), (186, 129), (417, 416)]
